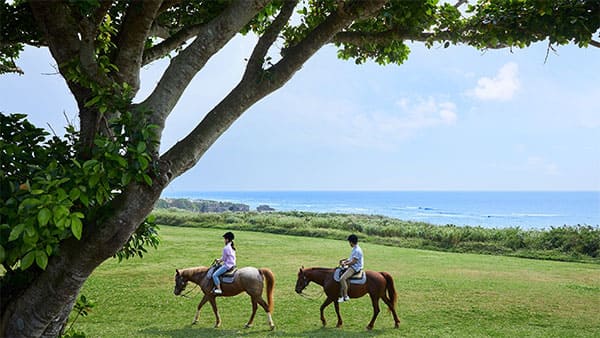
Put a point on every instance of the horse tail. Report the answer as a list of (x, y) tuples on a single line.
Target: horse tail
[(270, 278), (391, 290)]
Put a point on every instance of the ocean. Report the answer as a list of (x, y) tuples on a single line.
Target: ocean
[(527, 210)]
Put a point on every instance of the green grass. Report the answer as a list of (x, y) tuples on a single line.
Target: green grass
[(441, 294)]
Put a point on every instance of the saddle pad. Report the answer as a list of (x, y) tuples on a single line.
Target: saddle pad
[(357, 278), (228, 277)]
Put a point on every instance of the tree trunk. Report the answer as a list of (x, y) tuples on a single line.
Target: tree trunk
[(43, 308)]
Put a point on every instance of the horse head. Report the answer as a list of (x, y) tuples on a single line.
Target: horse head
[(302, 281), (180, 283)]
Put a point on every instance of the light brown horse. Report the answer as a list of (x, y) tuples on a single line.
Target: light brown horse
[(247, 279), (379, 285)]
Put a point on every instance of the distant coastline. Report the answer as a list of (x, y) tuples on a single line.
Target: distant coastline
[(493, 209)]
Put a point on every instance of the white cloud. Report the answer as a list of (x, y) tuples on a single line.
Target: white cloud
[(383, 129), (425, 113), (501, 87)]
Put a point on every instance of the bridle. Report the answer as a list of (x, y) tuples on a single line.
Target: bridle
[(306, 281), (185, 295)]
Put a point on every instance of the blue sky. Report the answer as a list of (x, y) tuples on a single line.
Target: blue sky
[(447, 119)]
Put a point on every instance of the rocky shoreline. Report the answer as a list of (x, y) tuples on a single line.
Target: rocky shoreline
[(207, 205)]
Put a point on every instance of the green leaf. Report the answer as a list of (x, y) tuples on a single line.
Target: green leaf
[(41, 259), (44, 216), (93, 101), (122, 161), (16, 231), (76, 227), (147, 179), (77, 214), (125, 179), (143, 162), (94, 180), (99, 196), (89, 163), (27, 260), (85, 200), (74, 194)]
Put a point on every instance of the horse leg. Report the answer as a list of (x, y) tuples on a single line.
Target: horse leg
[(323, 306), (202, 302), (254, 307), (336, 306), (265, 306), (213, 303), (375, 302), (390, 306)]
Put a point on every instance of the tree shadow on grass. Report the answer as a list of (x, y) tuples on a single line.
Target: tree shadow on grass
[(195, 331)]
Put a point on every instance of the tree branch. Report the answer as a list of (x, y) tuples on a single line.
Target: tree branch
[(211, 38), (460, 3), (186, 153), (295, 56), (170, 43), (59, 29), (384, 37), (265, 42), (132, 39), (101, 11)]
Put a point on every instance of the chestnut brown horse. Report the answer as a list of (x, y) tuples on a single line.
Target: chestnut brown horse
[(379, 285), (248, 279)]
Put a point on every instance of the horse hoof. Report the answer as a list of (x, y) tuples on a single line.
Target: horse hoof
[(194, 322), (272, 327), (369, 328), (247, 326)]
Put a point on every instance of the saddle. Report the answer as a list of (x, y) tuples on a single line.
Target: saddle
[(357, 278), (228, 277)]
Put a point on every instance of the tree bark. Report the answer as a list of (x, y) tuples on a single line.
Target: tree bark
[(44, 306)]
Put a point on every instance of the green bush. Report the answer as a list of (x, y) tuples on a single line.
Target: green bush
[(578, 243)]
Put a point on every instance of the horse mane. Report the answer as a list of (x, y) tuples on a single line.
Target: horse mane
[(189, 272), (319, 269)]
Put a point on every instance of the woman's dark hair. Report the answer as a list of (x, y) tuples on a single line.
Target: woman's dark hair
[(353, 239), (230, 236)]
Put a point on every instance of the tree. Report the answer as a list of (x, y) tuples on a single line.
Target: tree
[(69, 204)]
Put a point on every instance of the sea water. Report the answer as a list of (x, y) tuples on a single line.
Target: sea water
[(527, 210)]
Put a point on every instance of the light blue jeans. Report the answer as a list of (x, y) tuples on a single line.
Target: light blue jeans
[(221, 270)]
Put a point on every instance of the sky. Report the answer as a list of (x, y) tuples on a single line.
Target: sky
[(447, 119)]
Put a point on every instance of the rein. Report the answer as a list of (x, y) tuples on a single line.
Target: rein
[(185, 295), (313, 297)]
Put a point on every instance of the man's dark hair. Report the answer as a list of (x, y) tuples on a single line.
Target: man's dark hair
[(353, 239)]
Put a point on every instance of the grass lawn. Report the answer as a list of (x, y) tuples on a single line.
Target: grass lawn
[(440, 294)]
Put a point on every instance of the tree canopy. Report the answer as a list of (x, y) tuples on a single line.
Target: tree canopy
[(69, 204)]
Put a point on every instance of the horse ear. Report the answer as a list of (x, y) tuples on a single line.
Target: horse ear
[(177, 271)]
